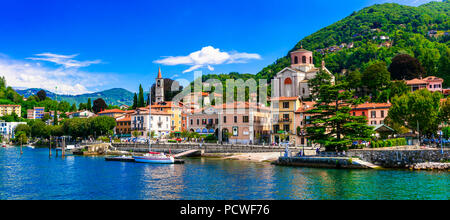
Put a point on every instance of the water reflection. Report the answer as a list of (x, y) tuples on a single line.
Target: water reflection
[(34, 175)]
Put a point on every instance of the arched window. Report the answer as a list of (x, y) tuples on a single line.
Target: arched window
[(304, 59), (310, 60), (288, 81), (296, 60)]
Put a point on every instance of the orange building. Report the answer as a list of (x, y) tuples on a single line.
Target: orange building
[(374, 112), (123, 128)]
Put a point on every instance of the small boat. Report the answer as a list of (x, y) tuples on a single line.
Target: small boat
[(32, 147), (4, 146), (155, 157)]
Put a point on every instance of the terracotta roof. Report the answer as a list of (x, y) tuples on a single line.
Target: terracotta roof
[(126, 118), (434, 78), (306, 106), (167, 105), (416, 82), (373, 105), (284, 98), (112, 111)]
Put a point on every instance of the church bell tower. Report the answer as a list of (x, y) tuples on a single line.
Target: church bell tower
[(159, 89)]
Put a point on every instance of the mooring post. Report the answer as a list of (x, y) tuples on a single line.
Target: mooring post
[(63, 146), (50, 148)]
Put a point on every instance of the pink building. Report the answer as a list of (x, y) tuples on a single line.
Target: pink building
[(432, 83)]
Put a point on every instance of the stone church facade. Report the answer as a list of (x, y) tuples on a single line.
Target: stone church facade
[(293, 81)]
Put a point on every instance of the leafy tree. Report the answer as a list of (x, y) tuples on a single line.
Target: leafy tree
[(20, 137), (42, 95), (322, 78), (82, 106), (445, 111), (99, 105), (103, 124), (38, 129), (417, 110), (332, 124), (376, 77), (23, 128), (444, 67), (405, 67)]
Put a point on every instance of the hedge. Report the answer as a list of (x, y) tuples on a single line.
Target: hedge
[(388, 143)]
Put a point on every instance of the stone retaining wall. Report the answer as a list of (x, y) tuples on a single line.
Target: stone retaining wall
[(319, 162), (207, 148), (400, 158)]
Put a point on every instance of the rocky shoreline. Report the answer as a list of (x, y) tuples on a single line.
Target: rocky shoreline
[(430, 166)]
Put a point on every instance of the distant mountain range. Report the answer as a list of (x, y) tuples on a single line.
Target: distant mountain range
[(115, 96)]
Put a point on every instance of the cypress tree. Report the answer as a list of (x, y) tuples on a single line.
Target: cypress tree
[(141, 102), (135, 101)]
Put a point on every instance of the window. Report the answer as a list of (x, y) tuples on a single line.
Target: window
[(382, 114), (285, 117), (354, 113), (198, 121), (224, 119), (217, 121), (286, 128), (310, 60), (285, 104), (296, 60), (192, 122), (235, 119), (288, 81), (245, 119), (304, 59), (373, 114), (303, 90)]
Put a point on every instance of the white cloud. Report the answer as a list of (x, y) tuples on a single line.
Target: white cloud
[(66, 60), (71, 81), (206, 57)]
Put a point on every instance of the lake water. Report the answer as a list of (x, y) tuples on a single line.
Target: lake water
[(34, 175)]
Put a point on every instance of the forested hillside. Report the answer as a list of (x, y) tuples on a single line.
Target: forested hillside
[(378, 33)]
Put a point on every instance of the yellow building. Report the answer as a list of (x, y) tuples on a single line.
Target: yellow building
[(9, 109), (283, 116), (174, 111)]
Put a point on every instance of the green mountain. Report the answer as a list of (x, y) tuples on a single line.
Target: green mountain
[(112, 96), (378, 32)]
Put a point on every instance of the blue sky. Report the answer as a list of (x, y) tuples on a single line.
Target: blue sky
[(87, 46)]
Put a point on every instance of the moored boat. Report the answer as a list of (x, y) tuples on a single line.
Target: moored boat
[(154, 157)]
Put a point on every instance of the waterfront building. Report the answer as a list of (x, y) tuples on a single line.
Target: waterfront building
[(301, 121), (243, 123), (293, 81), (159, 122), (283, 115), (7, 129), (114, 113), (175, 110), (9, 109), (374, 112), (36, 113), (123, 127), (204, 121)]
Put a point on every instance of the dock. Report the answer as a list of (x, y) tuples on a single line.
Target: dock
[(188, 153), (120, 159)]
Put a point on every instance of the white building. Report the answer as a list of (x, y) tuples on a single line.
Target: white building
[(293, 81), (7, 129), (160, 122), (81, 114)]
